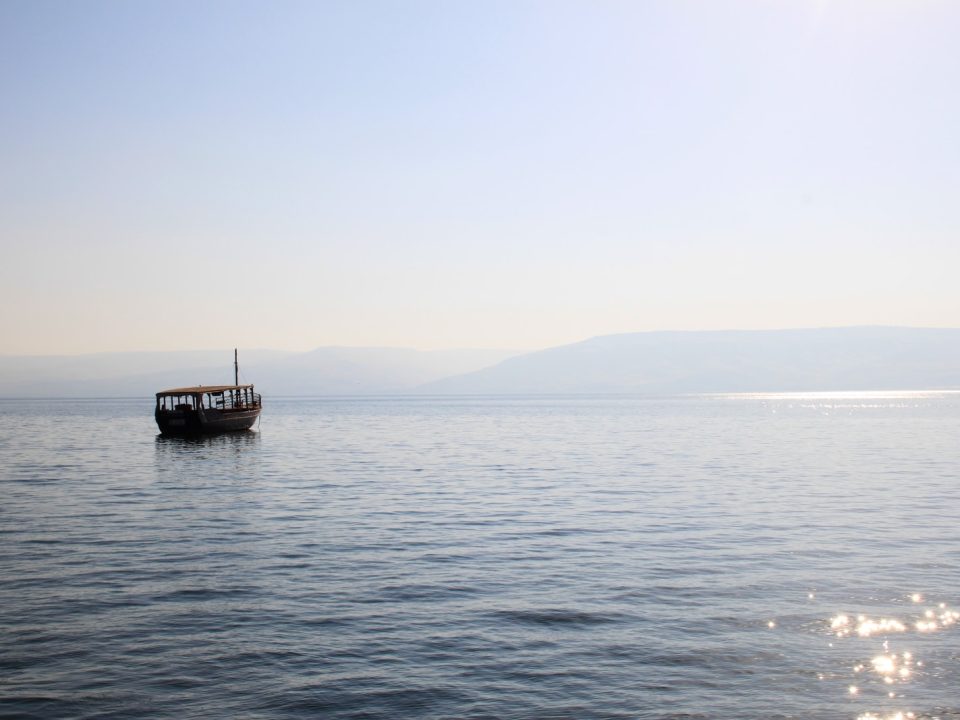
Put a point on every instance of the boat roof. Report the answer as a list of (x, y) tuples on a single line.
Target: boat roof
[(203, 389)]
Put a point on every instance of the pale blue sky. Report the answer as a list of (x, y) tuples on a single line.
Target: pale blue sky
[(183, 175)]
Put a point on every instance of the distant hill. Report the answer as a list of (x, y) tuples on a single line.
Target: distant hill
[(663, 363), (128, 374), (325, 371), (855, 358), (363, 371)]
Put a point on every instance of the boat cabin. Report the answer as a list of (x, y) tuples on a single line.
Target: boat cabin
[(208, 397)]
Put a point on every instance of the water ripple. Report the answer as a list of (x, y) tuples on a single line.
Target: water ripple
[(651, 559)]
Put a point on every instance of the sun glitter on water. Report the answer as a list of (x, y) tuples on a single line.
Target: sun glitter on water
[(883, 678), (864, 626)]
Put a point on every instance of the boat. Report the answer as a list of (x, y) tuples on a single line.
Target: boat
[(208, 409)]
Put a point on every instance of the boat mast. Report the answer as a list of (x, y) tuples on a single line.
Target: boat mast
[(236, 369)]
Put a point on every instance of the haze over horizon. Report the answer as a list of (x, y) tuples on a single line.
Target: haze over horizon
[(181, 176), (211, 352), (664, 363)]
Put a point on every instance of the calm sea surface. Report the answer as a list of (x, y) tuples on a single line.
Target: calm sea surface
[(747, 557)]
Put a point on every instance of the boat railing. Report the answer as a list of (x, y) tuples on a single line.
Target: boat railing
[(238, 401)]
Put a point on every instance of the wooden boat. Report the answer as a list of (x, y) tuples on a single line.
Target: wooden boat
[(208, 409)]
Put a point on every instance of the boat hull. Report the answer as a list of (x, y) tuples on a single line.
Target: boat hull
[(206, 421)]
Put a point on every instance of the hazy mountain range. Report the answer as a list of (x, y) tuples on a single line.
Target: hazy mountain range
[(858, 358), (324, 371)]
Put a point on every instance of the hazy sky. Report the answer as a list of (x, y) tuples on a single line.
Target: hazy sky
[(183, 175)]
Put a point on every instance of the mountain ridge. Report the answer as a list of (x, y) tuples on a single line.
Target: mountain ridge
[(655, 362), (333, 370), (683, 361)]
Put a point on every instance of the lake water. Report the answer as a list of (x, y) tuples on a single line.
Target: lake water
[(747, 557)]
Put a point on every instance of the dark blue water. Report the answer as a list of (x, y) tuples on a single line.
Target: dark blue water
[(485, 558)]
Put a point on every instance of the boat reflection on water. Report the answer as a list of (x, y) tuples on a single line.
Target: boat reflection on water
[(228, 458), (187, 444)]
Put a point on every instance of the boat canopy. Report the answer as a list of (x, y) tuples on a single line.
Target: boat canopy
[(202, 389)]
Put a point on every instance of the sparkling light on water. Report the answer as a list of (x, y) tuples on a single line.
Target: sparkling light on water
[(889, 667), (864, 626)]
